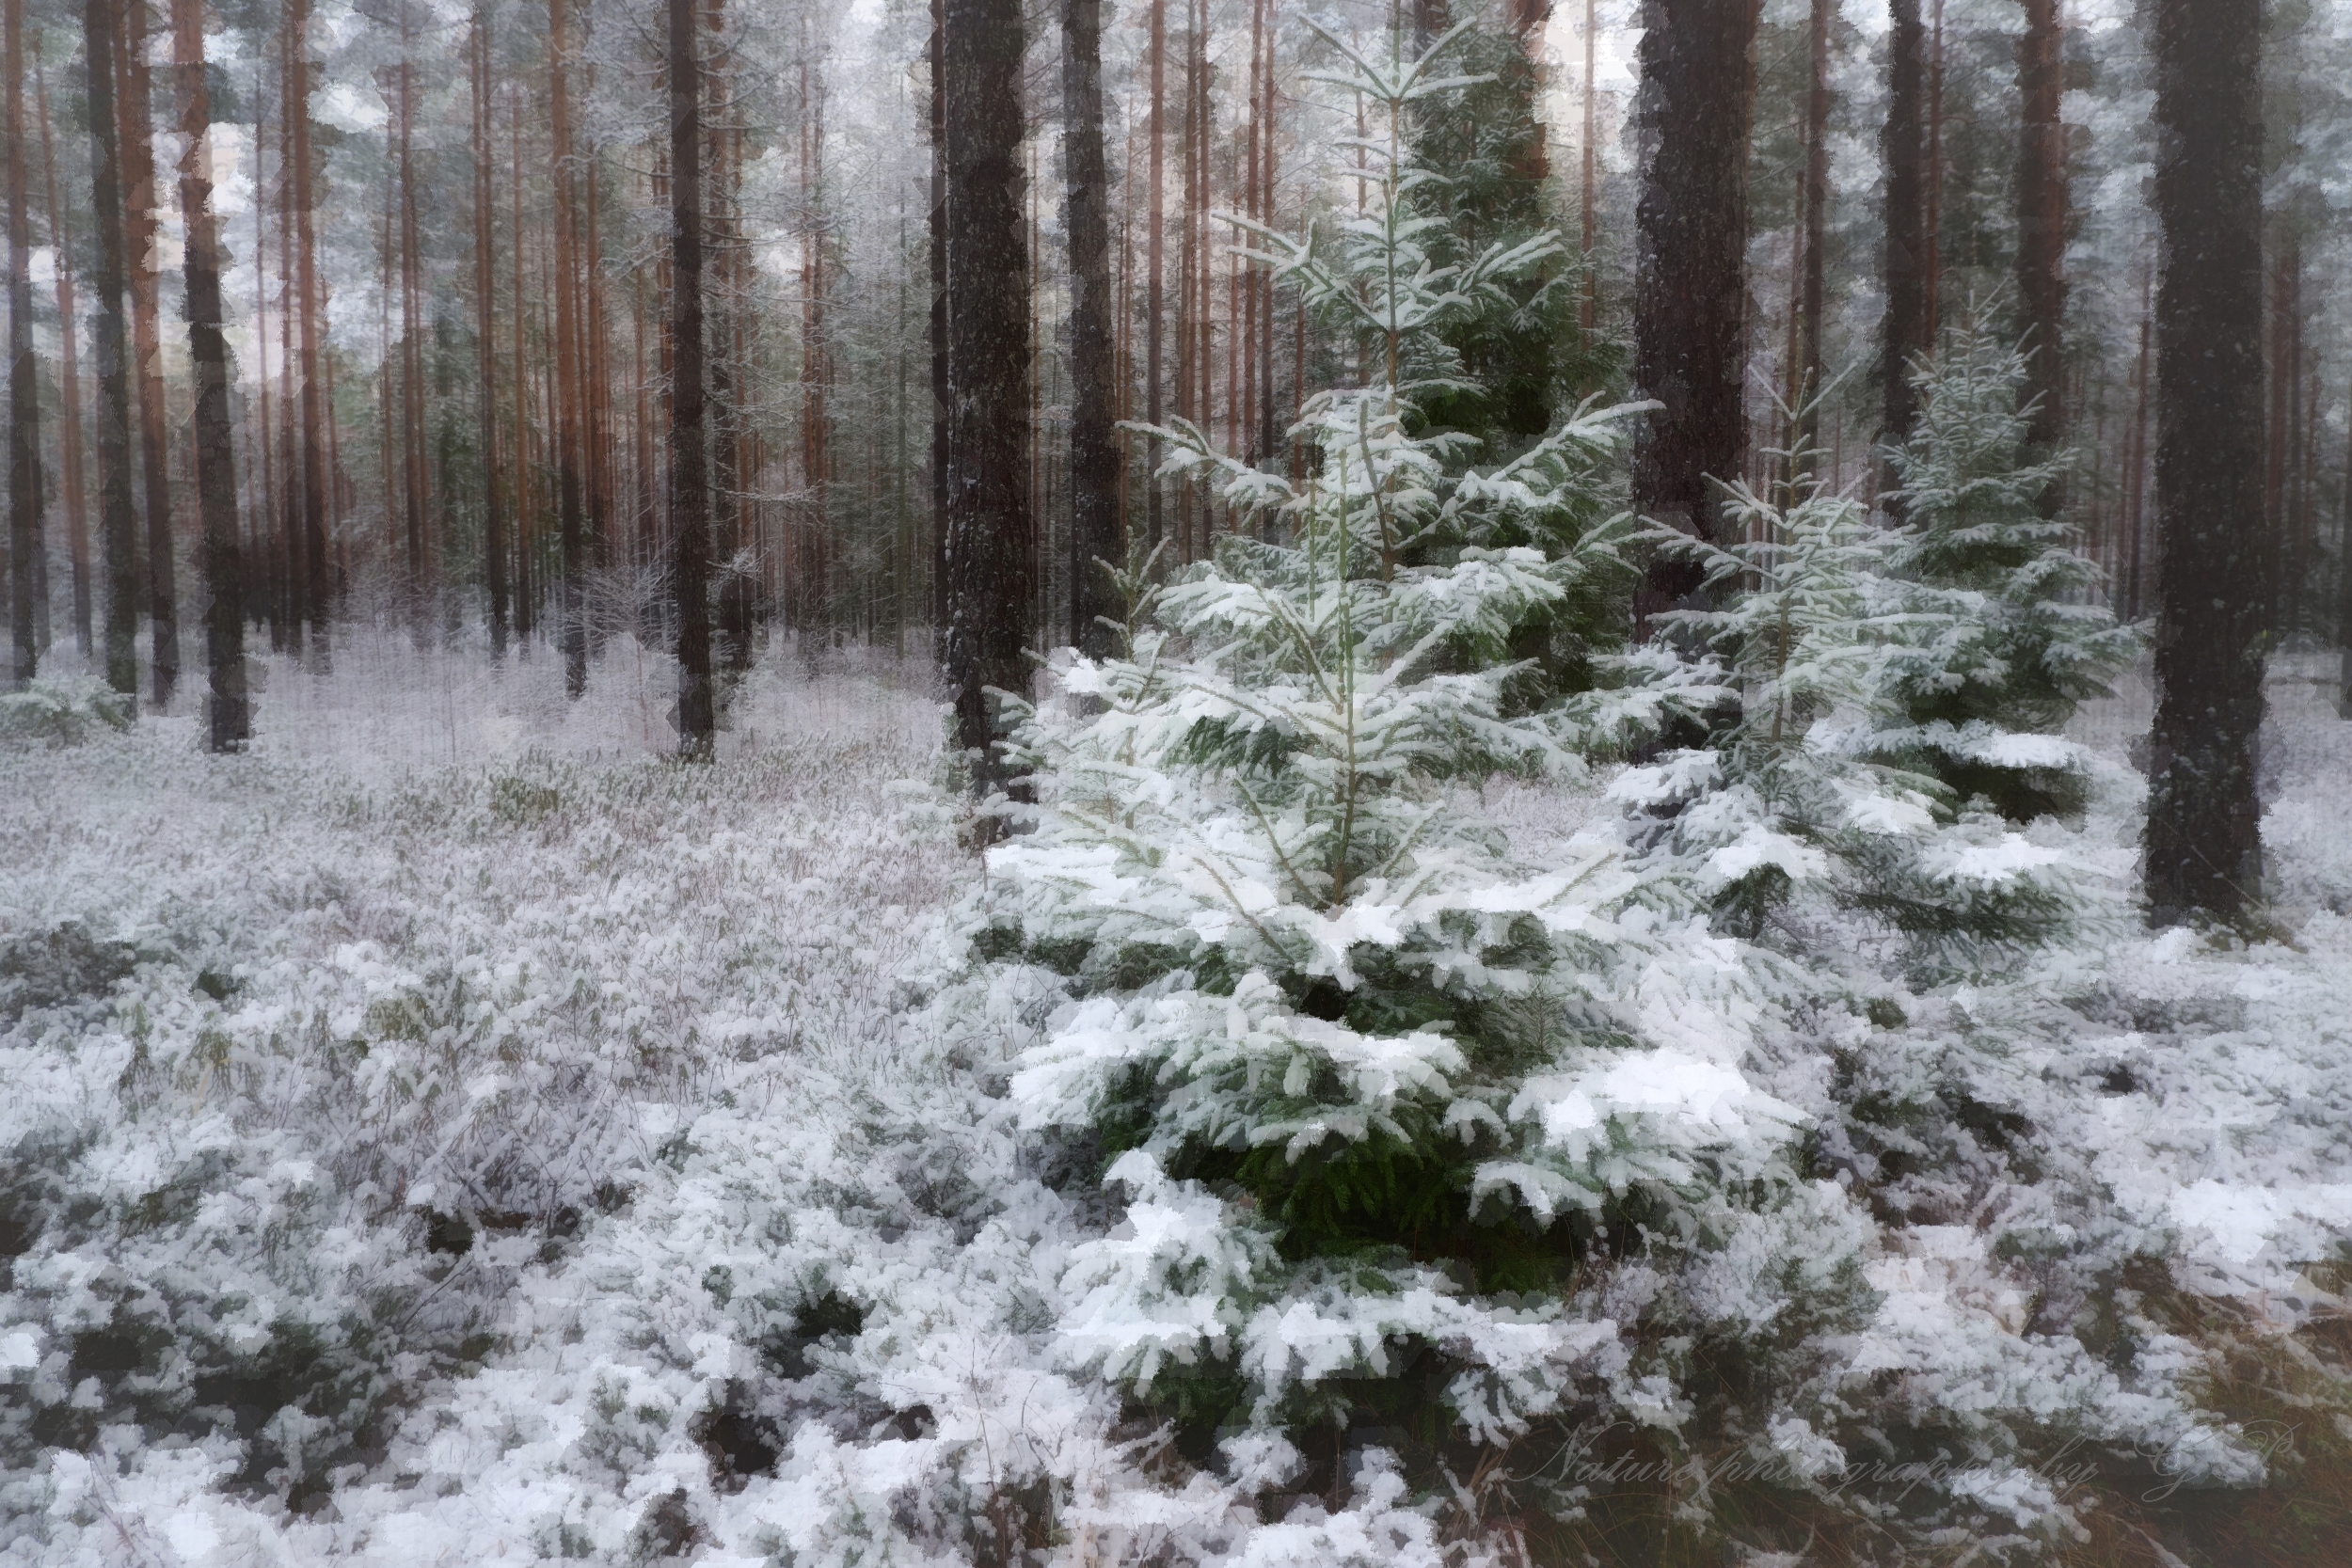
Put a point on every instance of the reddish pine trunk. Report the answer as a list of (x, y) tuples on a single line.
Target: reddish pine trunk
[(312, 325), (566, 415), (70, 379), (2042, 224), (690, 499), (139, 192), (485, 335)]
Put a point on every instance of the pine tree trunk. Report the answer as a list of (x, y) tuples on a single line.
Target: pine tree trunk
[(69, 380), (294, 577), (140, 220), (1588, 308), (690, 496), (228, 721), (989, 564), (1094, 455), (941, 429), (2042, 224), (2204, 846), (486, 336), (312, 321), (1690, 271), (117, 521), (25, 496), (1903, 329), (566, 414), (1154, 296), (1808, 395), (1933, 251), (414, 484)]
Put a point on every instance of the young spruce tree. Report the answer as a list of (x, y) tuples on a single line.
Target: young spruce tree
[(1363, 1077)]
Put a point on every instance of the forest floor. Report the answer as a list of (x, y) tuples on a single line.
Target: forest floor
[(434, 1136)]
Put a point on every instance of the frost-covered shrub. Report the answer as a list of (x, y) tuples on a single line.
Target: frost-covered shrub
[(1376, 1097), (64, 713), (2012, 638), (1790, 806)]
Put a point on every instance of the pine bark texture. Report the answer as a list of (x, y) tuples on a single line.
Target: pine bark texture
[(689, 489), (227, 712), (118, 520), (137, 153), (1902, 147), (24, 499), (312, 318), (69, 380), (2204, 846), (1093, 452), (989, 537), (2042, 225), (1697, 62), (485, 335)]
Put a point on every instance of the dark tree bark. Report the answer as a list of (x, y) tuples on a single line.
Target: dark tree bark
[(566, 420), (1154, 288), (690, 488), (486, 336), (2042, 224), (117, 521), (2204, 846), (24, 393), (1690, 345), (937, 222), (1093, 454), (316, 589), (226, 710), (989, 537), (1816, 236), (141, 199), (1902, 146), (70, 379)]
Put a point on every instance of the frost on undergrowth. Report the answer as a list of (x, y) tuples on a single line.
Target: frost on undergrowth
[(2009, 637), (1390, 1119)]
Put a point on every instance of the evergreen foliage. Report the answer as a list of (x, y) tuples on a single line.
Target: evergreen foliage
[(1795, 801), (2019, 637), (1364, 1078)]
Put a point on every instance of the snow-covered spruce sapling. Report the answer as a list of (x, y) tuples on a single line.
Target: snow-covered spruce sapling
[(1789, 807), (1373, 1091), (2020, 638)]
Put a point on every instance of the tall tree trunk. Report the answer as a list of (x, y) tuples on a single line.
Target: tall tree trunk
[(316, 589), (689, 493), (25, 496), (294, 577), (2204, 822), (1808, 397), (1588, 307), (485, 335), (118, 520), (1690, 271), (265, 598), (566, 419), (526, 602), (142, 198), (1093, 456), (1154, 296), (414, 484), (2042, 222), (1933, 251), (942, 428), (1903, 331), (69, 380), (228, 721), (989, 560)]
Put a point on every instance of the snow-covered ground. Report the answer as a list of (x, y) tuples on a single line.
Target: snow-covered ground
[(453, 1133)]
